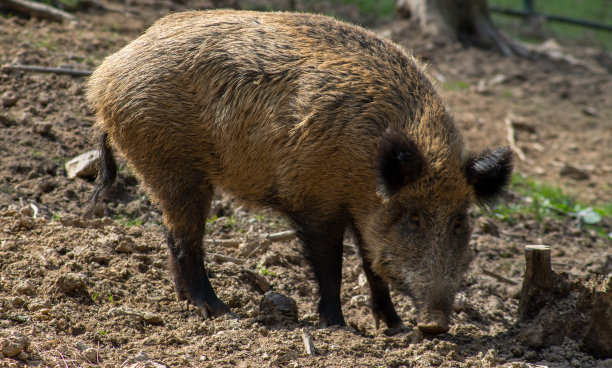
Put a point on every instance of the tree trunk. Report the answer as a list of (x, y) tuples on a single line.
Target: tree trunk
[(467, 21)]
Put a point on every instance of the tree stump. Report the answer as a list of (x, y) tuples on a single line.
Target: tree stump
[(538, 281)]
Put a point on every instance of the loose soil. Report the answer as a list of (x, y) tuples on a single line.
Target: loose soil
[(79, 293)]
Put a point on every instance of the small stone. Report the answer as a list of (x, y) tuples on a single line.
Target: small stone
[(359, 300), (71, 283), (273, 303), (285, 358), (141, 360), (25, 287), (362, 280), (590, 111), (459, 303), (81, 346), (153, 319), (44, 98), (27, 211), (257, 280), (91, 354), (37, 305), (83, 166), (17, 302), (271, 259), (9, 99), (125, 246), (574, 172), (42, 127), (12, 344)]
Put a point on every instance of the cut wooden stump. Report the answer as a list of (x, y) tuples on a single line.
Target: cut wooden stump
[(553, 308), (538, 280)]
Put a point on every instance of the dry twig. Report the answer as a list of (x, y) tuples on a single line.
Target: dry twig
[(44, 69), (308, 343), (38, 10), (222, 258), (499, 277), (272, 237), (512, 140)]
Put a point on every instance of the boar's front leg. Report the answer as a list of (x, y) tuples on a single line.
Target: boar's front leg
[(382, 306), (185, 216), (323, 248)]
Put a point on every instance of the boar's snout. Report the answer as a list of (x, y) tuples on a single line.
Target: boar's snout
[(433, 323)]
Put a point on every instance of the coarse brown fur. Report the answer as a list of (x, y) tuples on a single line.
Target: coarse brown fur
[(292, 111)]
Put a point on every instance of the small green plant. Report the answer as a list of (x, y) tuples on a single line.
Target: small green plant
[(541, 200), (264, 270), (128, 221), (230, 222), (94, 296), (102, 332), (110, 298)]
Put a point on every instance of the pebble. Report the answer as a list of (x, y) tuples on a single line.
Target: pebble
[(125, 245), (12, 344), (25, 287), (153, 319), (42, 127), (273, 302), (9, 99), (362, 280), (271, 259), (92, 355), (574, 172), (71, 283), (141, 360), (37, 305), (359, 300), (257, 280), (83, 166)]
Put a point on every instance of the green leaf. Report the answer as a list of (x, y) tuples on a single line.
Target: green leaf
[(588, 216)]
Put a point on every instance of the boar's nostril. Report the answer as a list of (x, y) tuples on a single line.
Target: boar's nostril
[(435, 323)]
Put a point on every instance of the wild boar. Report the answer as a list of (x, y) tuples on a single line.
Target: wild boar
[(330, 124)]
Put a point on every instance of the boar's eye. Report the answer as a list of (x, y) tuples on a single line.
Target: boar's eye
[(460, 225), (415, 219)]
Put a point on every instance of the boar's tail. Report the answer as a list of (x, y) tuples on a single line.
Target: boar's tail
[(107, 173)]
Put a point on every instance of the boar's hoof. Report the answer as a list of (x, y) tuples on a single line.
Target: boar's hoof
[(395, 330), (434, 324), (216, 309)]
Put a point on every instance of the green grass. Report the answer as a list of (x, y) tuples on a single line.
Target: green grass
[(127, 221), (455, 85), (377, 8), (540, 201), (599, 11)]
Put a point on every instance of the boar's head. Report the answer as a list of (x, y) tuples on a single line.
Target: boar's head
[(418, 239)]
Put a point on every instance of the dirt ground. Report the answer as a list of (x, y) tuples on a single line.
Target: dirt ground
[(97, 293)]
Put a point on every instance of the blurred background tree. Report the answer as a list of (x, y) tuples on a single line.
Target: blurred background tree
[(467, 21)]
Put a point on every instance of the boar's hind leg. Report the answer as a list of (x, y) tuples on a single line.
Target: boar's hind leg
[(323, 248), (185, 216)]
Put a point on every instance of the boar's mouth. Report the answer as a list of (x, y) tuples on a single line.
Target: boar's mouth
[(433, 304)]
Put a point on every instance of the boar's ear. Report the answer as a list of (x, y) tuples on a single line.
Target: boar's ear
[(489, 173), (399, 161)]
